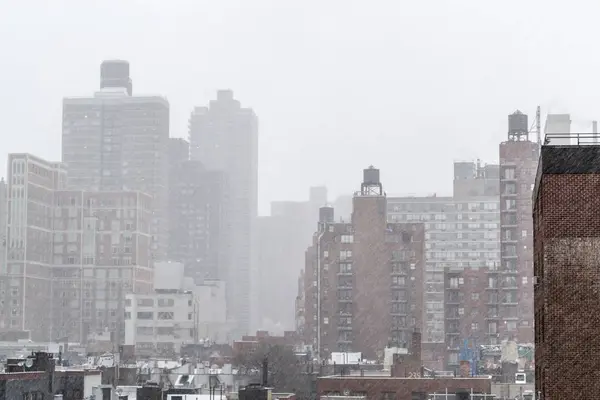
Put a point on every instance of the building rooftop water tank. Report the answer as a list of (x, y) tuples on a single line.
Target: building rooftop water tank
[(518, 122), (326, 214), (371, 176)]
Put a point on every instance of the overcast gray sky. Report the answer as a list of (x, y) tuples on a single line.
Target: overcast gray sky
[(408, 86)]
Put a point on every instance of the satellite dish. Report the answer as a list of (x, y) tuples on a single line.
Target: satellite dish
[(29, 363)]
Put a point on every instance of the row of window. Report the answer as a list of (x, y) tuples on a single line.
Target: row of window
[(149, 315)]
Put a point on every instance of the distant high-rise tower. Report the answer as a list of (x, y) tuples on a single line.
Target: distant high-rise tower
[(115, 74), (114, 141), (224, 137), (510, 295)]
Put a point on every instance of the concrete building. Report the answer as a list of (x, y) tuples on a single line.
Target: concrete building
[(566, 251), (513, 297), (475, 180), (211, 314), (224, 138), (176, 313), (197, 220), (26, 283), (116, 141), (460, 232), (179, 151), (101, 252), (158, 324), (364, 279), (282, 239), (71, 255)]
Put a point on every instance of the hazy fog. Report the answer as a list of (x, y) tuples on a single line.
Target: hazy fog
[(336, 85)]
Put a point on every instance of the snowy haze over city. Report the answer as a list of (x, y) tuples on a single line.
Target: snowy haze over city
[(336, 85)]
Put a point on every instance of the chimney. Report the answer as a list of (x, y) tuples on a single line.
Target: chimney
[(265, 372)]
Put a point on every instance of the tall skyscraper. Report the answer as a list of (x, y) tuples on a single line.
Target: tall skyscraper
[(117, 141), (26, 284), (197, 217), (224, 137)]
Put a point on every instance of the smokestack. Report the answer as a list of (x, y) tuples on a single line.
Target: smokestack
[(265, 372)]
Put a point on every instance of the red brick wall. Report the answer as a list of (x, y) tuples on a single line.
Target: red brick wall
[(567, 306)]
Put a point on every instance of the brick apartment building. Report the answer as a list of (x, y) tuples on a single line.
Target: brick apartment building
[(364, 279), (70, 254), (513, 295), (465, 311), (567, 256)]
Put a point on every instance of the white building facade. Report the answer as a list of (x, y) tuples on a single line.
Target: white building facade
[(161, 322)]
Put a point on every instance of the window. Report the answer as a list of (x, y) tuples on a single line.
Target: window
[(398, 281), (164, 330), (165, 315), (511, 326), (474, 326), (145, 315), (524, 280), (474, 296), (166, 302), (345, 254), (145, 302), (347, 239)]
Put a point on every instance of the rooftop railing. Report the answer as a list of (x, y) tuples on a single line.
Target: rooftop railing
[(573, 139)]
